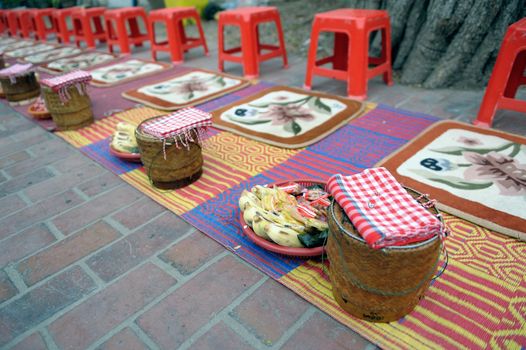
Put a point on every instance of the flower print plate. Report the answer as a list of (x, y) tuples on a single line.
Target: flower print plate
[(474, 173), (185, 89), (287, 117), (122, 72)]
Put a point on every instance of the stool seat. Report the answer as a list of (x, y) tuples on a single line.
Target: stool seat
[(506, 77), (83, 30), (116, 32), (251, 50), (177, 42), (350, 60)]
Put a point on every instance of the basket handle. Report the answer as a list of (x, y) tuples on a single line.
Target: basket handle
[(367, 288)]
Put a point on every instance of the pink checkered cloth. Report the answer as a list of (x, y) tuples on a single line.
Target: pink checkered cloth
[(16, 70), (66, 80), (177, 123), (381, 210)]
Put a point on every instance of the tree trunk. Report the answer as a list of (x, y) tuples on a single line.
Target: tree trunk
[(442, 43)]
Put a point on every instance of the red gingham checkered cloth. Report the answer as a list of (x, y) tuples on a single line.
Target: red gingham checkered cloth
[(177, 123), (381, 210), (68, 79)]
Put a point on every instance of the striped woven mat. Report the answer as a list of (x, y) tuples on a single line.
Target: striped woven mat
[(479, 301)]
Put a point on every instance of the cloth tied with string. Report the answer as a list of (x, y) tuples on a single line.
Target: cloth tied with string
[(16, 70), (61, 84), (382, 211), (182, 127)]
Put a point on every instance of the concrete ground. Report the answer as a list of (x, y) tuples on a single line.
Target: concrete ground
[(87, 261)]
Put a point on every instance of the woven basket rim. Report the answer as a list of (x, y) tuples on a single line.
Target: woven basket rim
[(400, 247), (151, 138)]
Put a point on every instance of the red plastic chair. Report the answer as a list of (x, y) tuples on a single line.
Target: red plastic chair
[(42, 26), (350, 59), (24, 23), (116, 32), (83, 30), (60, 22), (177, 42), (248, 19), (507, 76)]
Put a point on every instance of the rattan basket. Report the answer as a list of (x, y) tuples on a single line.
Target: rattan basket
[(2, 62), (72, 114), (378, 285), (182, 166), (24, 90)]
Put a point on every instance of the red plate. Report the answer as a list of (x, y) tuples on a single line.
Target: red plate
[(276, 248), (131, 157)]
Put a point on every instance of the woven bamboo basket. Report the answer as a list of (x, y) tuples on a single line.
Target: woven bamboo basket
[(182, 166), (23, 90), (73, 114), (2, 62), (378, 285)]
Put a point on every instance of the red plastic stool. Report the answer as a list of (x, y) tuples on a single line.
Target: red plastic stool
[(177, 42), (507, 76), (42, 26), (351, 59), (248, 19), (116, 33), (24, 23), (83, 31), (12, 22), (60, 22)]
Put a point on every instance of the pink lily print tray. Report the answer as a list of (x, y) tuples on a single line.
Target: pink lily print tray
[(186, 89), (287, 117)]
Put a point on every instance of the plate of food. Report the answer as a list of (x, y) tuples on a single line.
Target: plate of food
[(123, 143), (38, 109), (288, 218)]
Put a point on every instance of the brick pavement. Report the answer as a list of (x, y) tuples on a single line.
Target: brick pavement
[(87, 261)]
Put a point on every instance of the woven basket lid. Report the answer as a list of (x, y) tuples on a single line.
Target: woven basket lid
[(16, 70), (67, 80)]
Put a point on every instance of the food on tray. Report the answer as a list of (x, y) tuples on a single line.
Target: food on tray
[(290, 215), (124, 138), (39, 106)]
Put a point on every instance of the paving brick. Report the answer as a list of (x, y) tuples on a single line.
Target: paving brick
[(66, 252), (25, 243), (20, 182), (7, 289), (32, 342), (137, 214), (71, 162), (42, 302), (38, 212), (8, 146), (100, 184), (221, 337), (46, 153), (270, 311), (192, 252), (95, 209), (175, 318), (2, 178), (322, 332), (138, 246), (13, 158), (10, 204), (125, 339), (58, 183), (93, 318)]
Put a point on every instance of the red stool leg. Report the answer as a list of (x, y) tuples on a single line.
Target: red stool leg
[(151, 33), (221, 47), (311, 58), (122, 34), (249, 50), (134, 29), (110, 34), (386, 54), (358, 62), (99, 28), (201, 33), (281, 41), (496, 86), (174, 40)]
